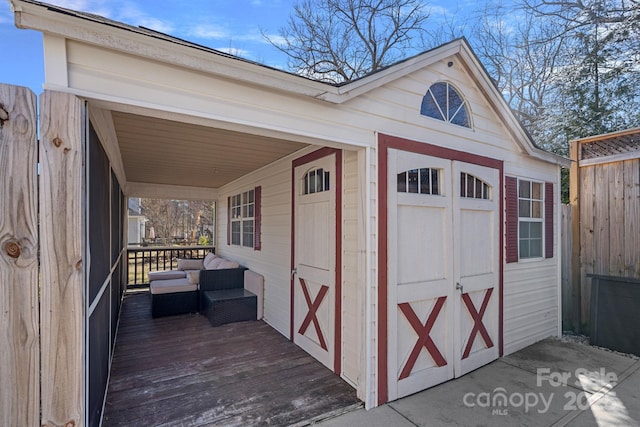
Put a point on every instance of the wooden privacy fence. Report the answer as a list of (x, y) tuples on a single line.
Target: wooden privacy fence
[(19, 323), (41, 309), (605, 202), (566, 273)]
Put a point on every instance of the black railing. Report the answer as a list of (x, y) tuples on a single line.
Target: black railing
[(152, 258)]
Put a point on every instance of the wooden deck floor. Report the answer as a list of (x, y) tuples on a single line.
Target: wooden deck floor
[(180, 370)]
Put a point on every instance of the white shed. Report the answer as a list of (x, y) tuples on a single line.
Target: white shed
[(406, 225)]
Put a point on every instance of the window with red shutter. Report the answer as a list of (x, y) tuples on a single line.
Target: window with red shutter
[(529, 219)]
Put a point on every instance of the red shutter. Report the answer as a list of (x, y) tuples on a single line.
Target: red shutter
[(511, 223), (257, 219), (228, 221), (548, 220)]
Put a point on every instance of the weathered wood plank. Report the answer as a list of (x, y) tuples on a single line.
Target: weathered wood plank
[(19, 363), (566, 274), (632, 218), (601, 219), (575, 183), (587, 258), (61, 248), (179, 370), (617, 221)]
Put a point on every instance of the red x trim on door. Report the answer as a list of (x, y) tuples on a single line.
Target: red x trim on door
[(424, 340), (311, 314), (478, 326)]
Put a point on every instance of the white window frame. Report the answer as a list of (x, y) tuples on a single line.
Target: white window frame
[(243, 217), (531, 218)]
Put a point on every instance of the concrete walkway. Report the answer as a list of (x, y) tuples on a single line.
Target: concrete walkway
[(551, 383)]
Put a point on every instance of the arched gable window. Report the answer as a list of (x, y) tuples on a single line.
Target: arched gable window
[(443, 102)]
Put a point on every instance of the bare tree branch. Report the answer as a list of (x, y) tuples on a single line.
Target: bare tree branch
[(341, 40)]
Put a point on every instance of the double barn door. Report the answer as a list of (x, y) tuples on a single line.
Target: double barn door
[(443, 269)]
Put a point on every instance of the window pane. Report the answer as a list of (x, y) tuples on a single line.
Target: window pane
[(461, 118), (463, 184), (535, 248), (439, 91), (413, 181), (245, 211), (478, 194), (319, 180), (454, 102), (470, 185), (235, 233), (485, 192), (435, 185), (524, 190), (536, 209), (306, 184), (247, 233), (250, 213), (402, 182), (327, 187), (536, 190), (524, 230), (524, 208), (429, 107), (312, 182), (536, 229), (524, 249), (425, 185)]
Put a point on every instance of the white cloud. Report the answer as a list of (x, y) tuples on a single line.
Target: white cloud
[(275, 39), (132, 15), (438, 11), (233, 51), (209, 32)]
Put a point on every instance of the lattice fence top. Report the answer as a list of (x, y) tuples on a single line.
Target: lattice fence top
[(610, 145)]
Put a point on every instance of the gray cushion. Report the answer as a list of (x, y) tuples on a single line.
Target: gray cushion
[(171, 286), (190, 264), (166, 275)]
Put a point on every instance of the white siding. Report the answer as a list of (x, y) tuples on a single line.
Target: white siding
[(530, 303), (274, 260), (531, 297), (352, 282)]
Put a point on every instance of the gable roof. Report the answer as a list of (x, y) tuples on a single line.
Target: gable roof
[(151, 44)]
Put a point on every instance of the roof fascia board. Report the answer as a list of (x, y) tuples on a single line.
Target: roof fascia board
[(393, 72), (40, 18)]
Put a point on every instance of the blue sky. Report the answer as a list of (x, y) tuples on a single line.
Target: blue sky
[(230, 25)]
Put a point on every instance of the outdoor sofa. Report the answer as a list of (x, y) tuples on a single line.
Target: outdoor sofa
[(213, 286)]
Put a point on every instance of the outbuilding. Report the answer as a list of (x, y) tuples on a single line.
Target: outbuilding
[(405, 223)]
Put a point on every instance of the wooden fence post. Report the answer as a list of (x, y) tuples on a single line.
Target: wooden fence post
[(19, 361), (62, 263)]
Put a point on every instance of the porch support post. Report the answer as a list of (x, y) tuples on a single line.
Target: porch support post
[(19, 363), (62, 263)]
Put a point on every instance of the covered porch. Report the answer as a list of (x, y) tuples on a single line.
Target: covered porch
[(179, 370)]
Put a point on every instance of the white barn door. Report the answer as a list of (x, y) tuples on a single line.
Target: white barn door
[(443, 247), (314, 290), (476, 235)]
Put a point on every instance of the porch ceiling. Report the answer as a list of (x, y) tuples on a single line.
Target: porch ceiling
[(159, 151)]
